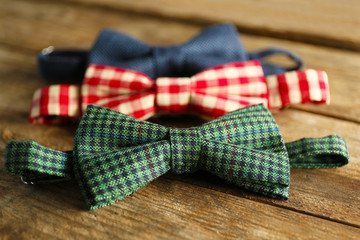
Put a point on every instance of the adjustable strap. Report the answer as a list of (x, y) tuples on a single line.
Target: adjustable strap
[(35, 163), (54, 104), (69, 66), (270, 69), (297, 87), (66, 66), (326, 152)]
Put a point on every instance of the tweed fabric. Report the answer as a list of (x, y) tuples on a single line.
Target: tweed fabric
[(211, 93), (115, 155), (36, 163), (309, 152), (95, 139)]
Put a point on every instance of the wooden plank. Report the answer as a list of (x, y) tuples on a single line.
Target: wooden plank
[(331, 194), (29, 25), (322, 22), (37, 32), (163, 209)]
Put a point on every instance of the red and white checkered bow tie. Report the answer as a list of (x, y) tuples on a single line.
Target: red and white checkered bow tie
[(212, 92)]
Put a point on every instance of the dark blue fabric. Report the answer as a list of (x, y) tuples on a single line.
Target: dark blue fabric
[(215, 45), (64, 66)]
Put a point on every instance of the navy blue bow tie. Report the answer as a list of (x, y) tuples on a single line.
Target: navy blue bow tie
[(215, 45)]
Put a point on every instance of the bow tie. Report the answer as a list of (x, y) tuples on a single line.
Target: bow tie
[(215, 45), (211, 93), (115, 155)]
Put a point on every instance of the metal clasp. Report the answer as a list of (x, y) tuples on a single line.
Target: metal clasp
[(30, 183), (48, 50), (43, 180)]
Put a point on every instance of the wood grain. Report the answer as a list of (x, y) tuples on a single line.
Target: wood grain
[(323, 203), (163, 209), (322, 22)]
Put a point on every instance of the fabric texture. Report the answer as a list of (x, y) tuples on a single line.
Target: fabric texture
[(211, 93), (215, 45), (115, 155)]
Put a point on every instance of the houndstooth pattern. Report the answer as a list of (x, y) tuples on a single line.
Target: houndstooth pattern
[(37, 163), (309, 152), (213, 92), (115, 155), (181, 150)]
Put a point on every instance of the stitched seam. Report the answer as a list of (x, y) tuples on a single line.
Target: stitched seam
[(244, 133), (115, 136), (232, 161), (150, 165), (228, 130), (63, 163), (140, 128), (149, 140)]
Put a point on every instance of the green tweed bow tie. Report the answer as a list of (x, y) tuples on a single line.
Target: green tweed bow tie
[(115, 155)]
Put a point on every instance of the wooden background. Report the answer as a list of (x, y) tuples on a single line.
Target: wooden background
[(323, 204)]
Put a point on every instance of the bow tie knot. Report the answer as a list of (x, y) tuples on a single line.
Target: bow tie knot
[(164, 62), (185, 150), (180, 94)]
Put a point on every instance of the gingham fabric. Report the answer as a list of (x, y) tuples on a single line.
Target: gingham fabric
[(115, 155), (298, 87), (55, 104), (215, 45), (212, 92)]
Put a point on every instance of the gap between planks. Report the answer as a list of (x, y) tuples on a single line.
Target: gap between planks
[(255, 20), (249, 38), (258, 199), (182, 204)]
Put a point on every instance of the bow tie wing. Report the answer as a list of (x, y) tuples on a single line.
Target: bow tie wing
[(106, 177), (238, 78), (214, 91), (228, 87), (259, 171), (123, 90), (119, 50), (115, 155), (104, 129), (246, 147), (111, 48), (223, 43)]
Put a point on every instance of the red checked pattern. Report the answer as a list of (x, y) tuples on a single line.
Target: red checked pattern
[(55, 104), (126, 91), (298, 87), (212, 92), (215, 91)]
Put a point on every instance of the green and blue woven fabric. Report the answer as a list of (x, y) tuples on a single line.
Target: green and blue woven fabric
[(115, 155)]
